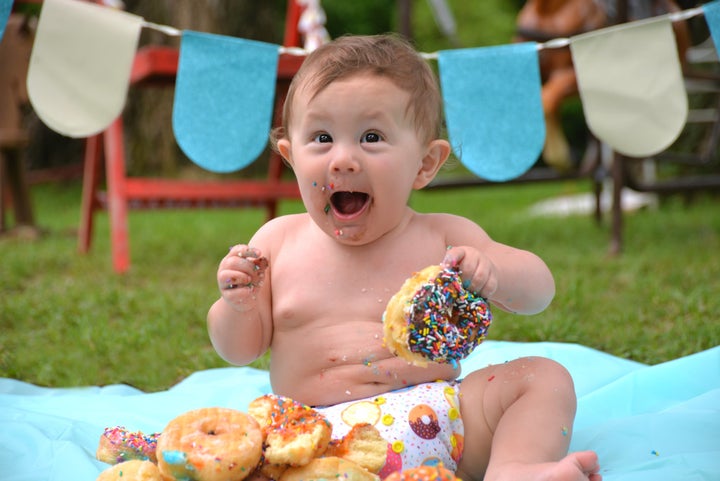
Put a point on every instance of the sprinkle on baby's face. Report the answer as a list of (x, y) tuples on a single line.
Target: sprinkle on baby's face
[(356, 155)]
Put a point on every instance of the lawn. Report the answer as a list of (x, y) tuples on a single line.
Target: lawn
[(67, 320)]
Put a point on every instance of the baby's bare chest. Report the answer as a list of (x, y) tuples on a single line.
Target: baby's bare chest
[(332, 295), (314, 281)]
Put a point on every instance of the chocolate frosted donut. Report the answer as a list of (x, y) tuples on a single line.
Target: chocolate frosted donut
[(434, 318)]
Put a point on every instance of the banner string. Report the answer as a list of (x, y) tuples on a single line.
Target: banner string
[(167, 30), (560, 42)]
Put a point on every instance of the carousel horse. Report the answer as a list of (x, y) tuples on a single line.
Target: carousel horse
[(543, 20)]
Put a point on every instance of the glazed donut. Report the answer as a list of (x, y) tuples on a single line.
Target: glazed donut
[(424, 473), (329, 468), (117, 445), (433, 318), (133, 470), (210, 444), (294, 433)]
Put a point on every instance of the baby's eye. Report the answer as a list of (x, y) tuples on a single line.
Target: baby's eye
[(371, 137), (323, 138)]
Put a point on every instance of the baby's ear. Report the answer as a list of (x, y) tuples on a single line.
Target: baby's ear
[(437, 153), (283, 146)]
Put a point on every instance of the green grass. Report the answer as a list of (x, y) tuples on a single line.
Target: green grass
[(67, 320)]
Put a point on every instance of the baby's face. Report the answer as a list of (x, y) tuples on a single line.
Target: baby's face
[(356, 155)]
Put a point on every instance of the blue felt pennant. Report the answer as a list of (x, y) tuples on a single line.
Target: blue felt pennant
[(5, 9), (493, 108), (223, 102), (712, 17)]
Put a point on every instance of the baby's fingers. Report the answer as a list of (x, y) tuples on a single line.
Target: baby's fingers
[(453, 257), (230, 279), (244, 266), (477, 270), (244, 251)]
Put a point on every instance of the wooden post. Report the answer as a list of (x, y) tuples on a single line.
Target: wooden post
[(15, 49), (617, 170), (404, 8)]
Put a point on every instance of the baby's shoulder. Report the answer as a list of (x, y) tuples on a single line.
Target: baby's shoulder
[(454, 228), (442, 220), (285, 222), (276, 230)]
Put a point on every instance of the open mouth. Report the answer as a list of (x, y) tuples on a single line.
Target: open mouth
[(349, 203)]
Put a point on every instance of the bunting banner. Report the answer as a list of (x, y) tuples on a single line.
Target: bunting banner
[(712, 17), (5, 9), (224, 97), (637, 104), (493, 108), (80, 65), (629, 78)]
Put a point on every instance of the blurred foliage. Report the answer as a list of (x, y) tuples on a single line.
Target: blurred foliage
[(360, 18), (488, 22)]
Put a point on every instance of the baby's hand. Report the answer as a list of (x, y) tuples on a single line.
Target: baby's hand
[(478, 271), (240, 272)]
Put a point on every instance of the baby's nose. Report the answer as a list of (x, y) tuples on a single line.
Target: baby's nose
[(344, 160)]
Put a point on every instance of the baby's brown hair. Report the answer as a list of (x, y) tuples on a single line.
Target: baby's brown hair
[(389, 56)]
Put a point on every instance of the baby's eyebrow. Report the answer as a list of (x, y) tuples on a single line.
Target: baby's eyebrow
[(377, 114), (315, 116)]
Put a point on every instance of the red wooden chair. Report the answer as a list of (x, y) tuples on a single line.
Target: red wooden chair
[(153, 65)]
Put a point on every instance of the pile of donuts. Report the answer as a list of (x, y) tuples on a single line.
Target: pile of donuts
[(278, 438)]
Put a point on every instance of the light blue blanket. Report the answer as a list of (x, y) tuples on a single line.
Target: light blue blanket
[(647, 423)]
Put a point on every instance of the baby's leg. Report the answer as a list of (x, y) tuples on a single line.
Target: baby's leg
[(518, 419)]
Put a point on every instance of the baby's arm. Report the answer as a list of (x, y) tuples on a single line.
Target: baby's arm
[(513, 279), (239, 322)]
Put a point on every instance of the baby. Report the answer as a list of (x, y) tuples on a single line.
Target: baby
[(361, 131)]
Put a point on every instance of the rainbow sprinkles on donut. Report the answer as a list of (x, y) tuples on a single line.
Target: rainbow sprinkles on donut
[(433, 318)]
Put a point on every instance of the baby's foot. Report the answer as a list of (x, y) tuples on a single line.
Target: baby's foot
[(580, 466)]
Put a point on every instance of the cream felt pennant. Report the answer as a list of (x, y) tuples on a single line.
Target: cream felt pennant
[(80, 65), (493, 108), (223, 106), (631, 85)]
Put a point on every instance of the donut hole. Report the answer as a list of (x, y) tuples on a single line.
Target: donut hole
[(211, 428), (453, 315)]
